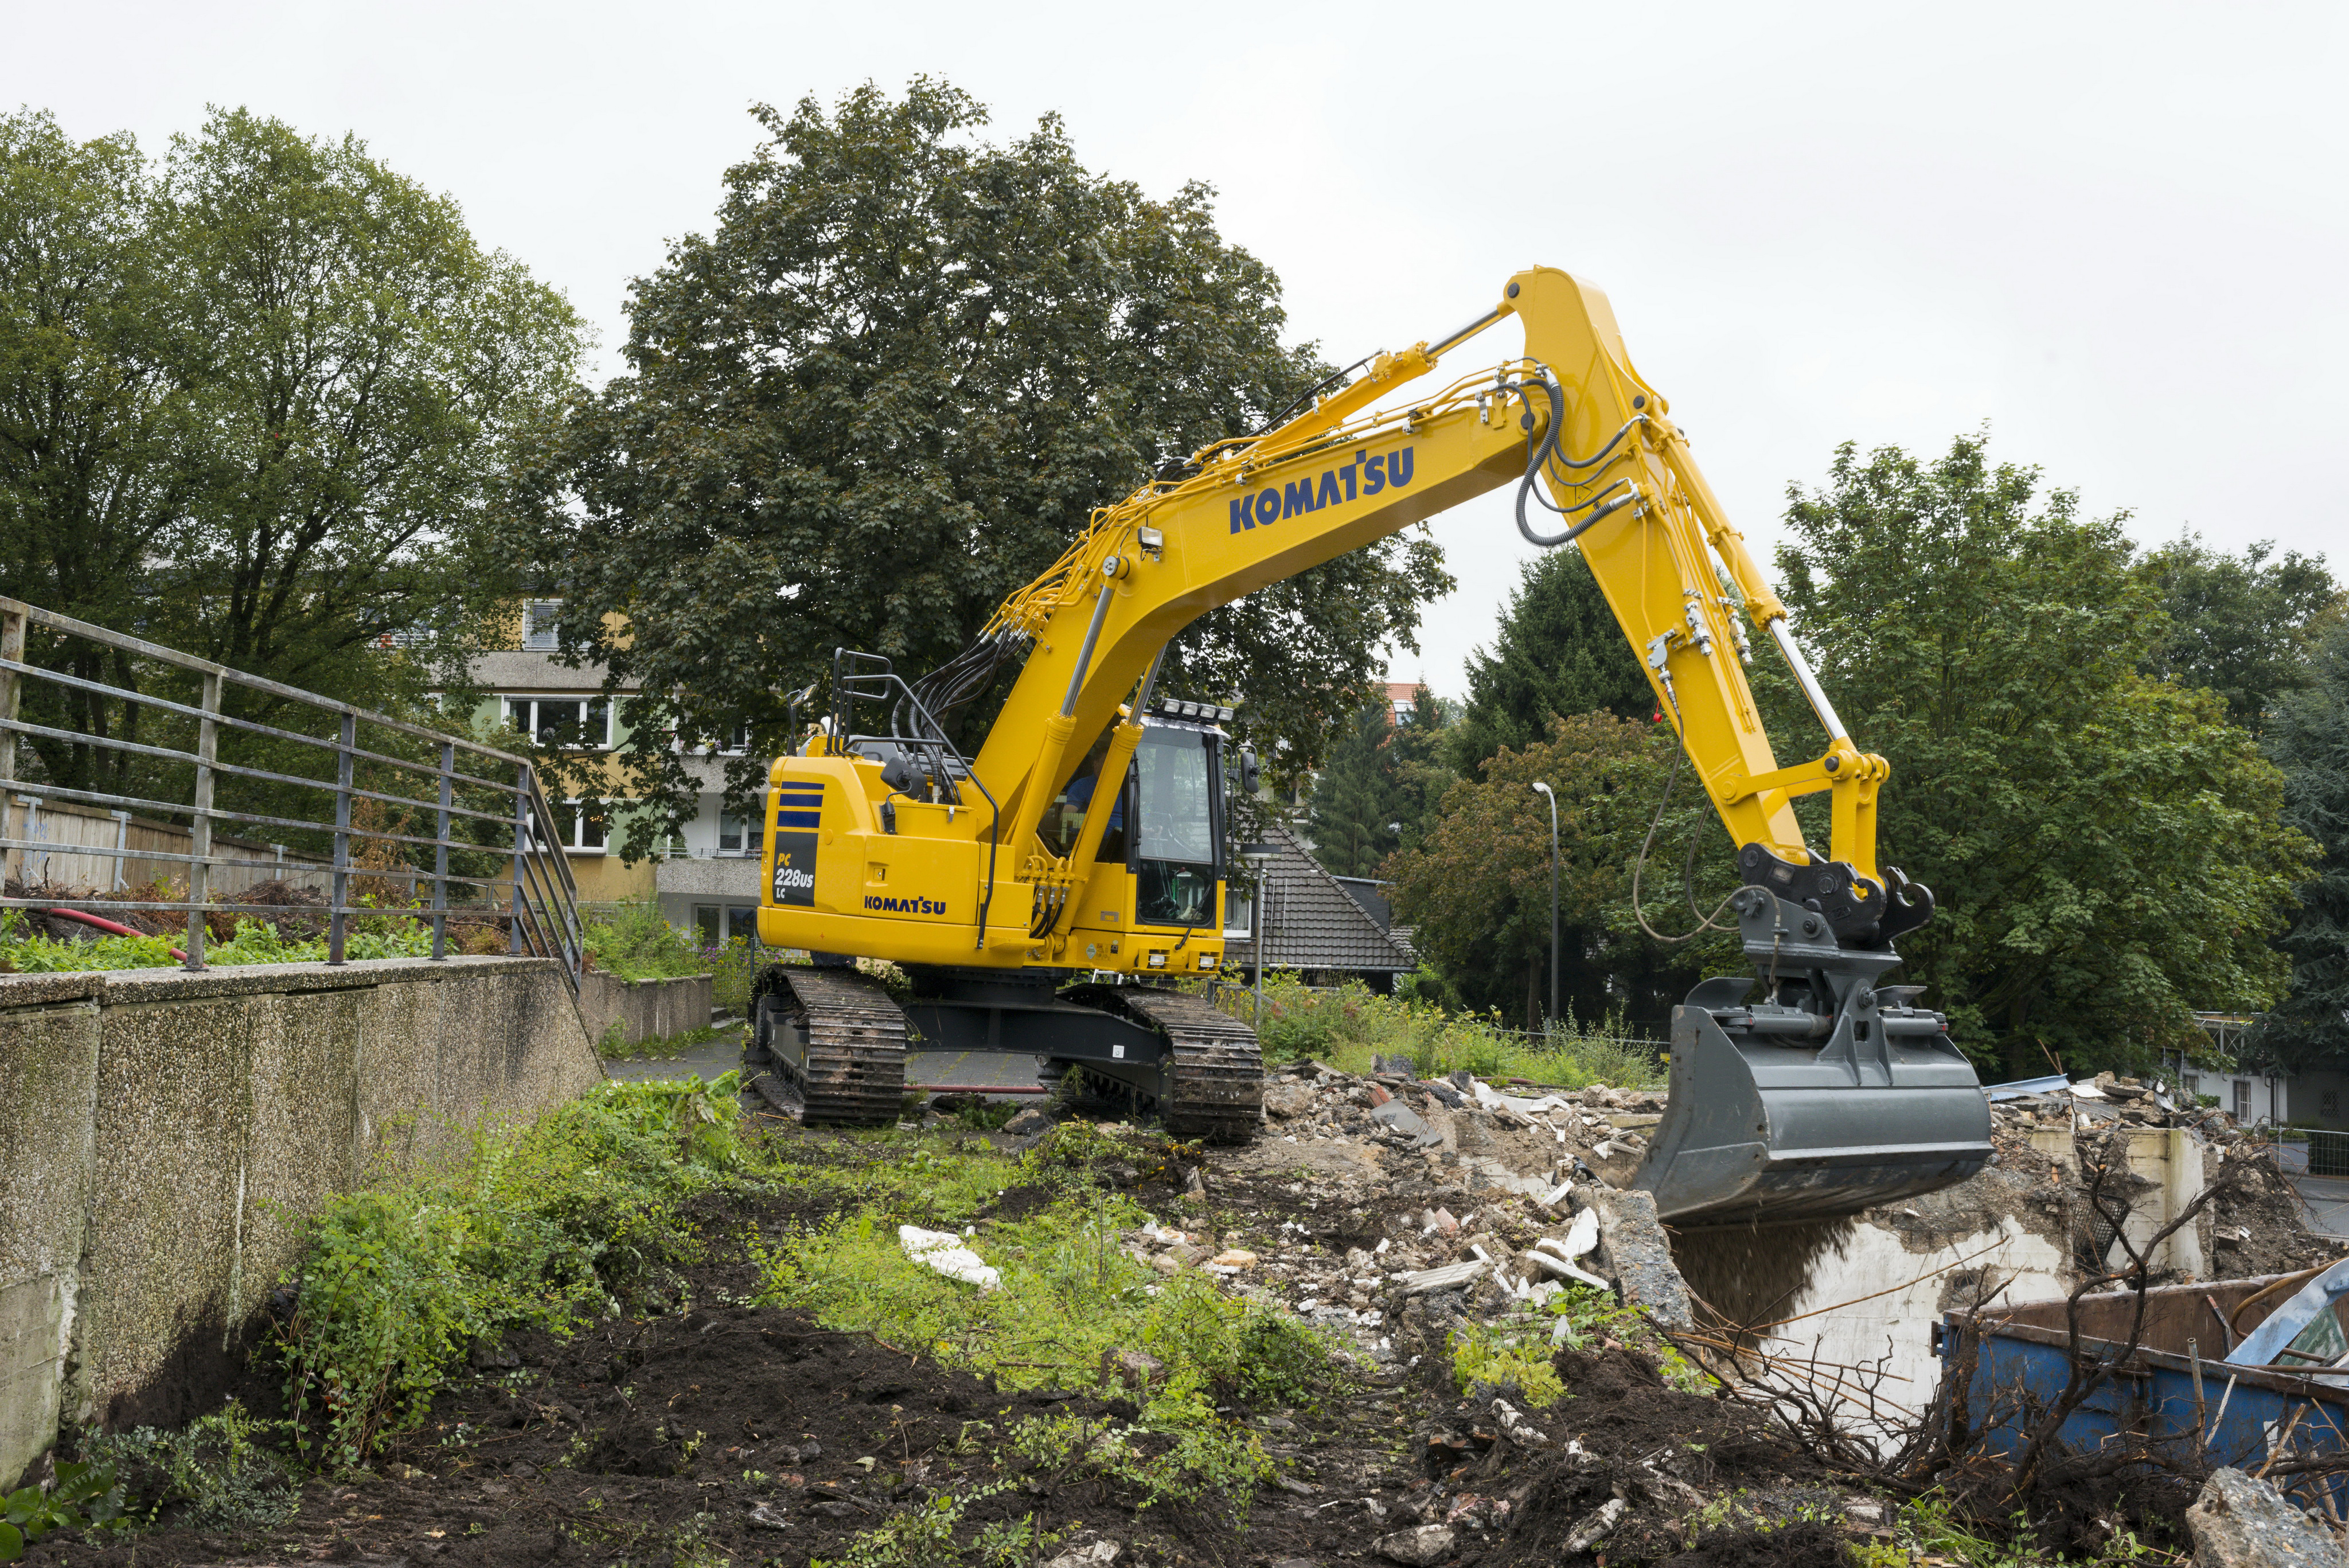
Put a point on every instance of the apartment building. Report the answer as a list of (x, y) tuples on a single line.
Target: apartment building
[(707, 878)]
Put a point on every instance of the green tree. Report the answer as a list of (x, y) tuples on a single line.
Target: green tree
[(1476, 888), (2308, 737), (2106, 848), (1382, 781), (256, 404), (1351, 816), (887, 389), (2244, 627), (1559, 651)]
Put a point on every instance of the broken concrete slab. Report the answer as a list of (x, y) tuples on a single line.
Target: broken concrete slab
[(1450, 1277), (1405, 1120), (1423, 1547), (2241, 1521), (1631, 1239)]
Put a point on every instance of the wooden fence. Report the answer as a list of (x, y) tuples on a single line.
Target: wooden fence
[(108, 852)]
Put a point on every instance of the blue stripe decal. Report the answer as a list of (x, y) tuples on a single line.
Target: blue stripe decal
[(799, 819)]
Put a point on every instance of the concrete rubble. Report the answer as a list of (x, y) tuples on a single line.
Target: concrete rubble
[(2241, 1521), (1392, 1212)]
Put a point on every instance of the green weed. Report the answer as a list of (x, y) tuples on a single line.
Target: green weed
[(1071, 1296), (216, 1465), (257, 941), (541, 1227), (1346, 1025), (83, 1496)]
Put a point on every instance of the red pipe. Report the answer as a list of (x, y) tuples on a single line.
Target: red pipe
[(105, 925)]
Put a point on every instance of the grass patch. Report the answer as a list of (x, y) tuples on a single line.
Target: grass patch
[(1345, 1027), (1071, 1299)]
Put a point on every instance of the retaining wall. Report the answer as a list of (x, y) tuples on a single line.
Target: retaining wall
[(644, 1009), (164, 1135)]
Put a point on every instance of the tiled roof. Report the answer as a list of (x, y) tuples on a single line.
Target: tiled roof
[(1311, 922)]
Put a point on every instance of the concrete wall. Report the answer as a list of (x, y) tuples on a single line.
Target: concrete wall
[(644, 1009), (167, 1135)]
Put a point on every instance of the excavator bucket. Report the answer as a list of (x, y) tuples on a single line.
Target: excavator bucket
[(1828, 1095)]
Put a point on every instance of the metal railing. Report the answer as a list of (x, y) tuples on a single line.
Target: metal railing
[(496, 835)]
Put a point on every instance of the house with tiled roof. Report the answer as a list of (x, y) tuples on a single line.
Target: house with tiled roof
[(1310, 921)]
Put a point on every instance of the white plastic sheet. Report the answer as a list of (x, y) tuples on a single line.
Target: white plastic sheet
[(942, 1251)]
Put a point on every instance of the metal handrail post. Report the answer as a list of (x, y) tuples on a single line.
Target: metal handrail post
[(200, 826), (440, 854), (338, 917), (520, 845), (12, 648)]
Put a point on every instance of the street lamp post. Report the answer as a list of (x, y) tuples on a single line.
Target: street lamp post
[(1258, 857), (1551, 795)]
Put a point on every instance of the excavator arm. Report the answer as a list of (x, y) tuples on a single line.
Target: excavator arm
[(1338, 477)]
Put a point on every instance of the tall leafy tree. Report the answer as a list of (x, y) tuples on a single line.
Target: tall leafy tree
[(2308, 736), (887, 389), (1477, 887), (2106, 847), (255, 403), (2244, 626), (1559, 652)]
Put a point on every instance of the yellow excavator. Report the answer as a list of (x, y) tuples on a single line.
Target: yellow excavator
[(1043, 894)]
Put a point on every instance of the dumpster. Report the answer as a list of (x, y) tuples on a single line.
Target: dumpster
[(2021, 1363)]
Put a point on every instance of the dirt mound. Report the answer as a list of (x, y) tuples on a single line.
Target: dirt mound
[(1806, 1545)]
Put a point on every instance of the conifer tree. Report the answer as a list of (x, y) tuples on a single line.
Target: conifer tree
[(1559, 653)]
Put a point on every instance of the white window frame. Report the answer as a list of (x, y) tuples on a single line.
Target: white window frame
[(539, 618), (753, 828), (1240, 910), (511, 703), (577, 841)]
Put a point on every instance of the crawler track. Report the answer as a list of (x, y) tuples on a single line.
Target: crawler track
[(1217, 1070), (828, 1045)]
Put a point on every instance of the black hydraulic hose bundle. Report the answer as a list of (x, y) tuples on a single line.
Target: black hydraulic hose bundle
[(1546, 451)]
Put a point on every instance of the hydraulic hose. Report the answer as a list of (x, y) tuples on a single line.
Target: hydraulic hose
[(1545, 453)]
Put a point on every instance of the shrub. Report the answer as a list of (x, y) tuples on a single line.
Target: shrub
[(635, 941), (1346, 1025)]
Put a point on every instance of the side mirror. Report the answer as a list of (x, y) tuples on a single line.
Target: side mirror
[(1251, 776)]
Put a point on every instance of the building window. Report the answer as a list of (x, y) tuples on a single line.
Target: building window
[(573, 723), (1240, 911), (741, 834), (584, 828), (538, 620), (2243, 1099), (705, 923), (2328, 1103)]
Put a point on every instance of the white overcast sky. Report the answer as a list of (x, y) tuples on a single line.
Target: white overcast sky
[(2116, 232)]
